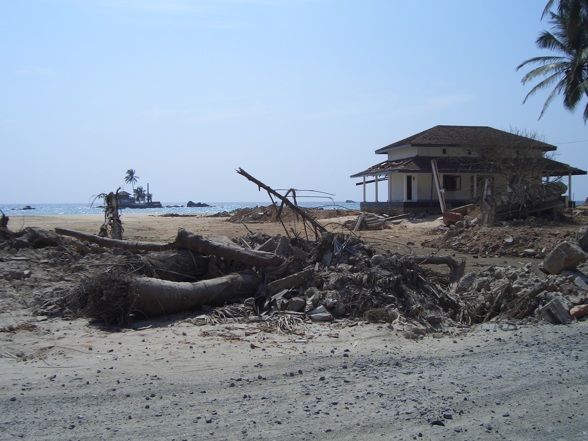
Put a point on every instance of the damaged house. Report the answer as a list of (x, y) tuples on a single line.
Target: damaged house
[(446, 167)]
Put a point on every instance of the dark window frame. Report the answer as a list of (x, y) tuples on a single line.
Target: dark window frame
[(452, 182)]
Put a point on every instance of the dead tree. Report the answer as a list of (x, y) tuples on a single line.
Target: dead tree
[(197, 243), (188, 241), (318, 229), (514, 174), (112, 226)]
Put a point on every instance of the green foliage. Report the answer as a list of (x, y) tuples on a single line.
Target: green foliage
[(131, 177), (567, 70), (140, 194)]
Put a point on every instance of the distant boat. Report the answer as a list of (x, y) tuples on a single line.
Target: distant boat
[(349, 201)]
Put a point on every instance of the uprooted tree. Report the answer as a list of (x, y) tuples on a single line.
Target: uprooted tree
[(112, 226)]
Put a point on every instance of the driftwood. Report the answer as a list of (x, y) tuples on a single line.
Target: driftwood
[(197, 243), (457, 268), (115, 243), (318, 228), (154, 297), (188, 241)]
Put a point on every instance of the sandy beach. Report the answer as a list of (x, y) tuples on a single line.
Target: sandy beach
[(170, 378)]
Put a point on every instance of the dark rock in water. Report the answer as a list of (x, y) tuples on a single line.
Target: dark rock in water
[(349, 201), (196, 204), (26, 207)]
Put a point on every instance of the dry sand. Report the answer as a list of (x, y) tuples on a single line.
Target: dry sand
[(170, 379)]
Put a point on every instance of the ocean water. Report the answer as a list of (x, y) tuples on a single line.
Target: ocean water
[(168, 208)]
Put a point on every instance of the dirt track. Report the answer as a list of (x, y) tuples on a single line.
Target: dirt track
[(231, 382)]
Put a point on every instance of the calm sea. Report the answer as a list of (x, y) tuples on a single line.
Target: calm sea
[(168, 207)]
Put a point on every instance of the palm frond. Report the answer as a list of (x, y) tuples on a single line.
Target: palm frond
[(568, 37), (542, 60)]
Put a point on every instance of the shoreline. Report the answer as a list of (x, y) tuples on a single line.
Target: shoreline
[(151, 227)]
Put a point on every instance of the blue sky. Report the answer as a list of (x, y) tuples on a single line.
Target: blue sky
[(299, 93)]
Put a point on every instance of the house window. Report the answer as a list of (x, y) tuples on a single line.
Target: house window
[(451, 182)]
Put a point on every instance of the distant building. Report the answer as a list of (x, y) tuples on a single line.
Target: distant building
[(125, 199), (463, 157)]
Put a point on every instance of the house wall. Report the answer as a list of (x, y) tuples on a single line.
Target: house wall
[(423, 188), (395, 187), (408, 152), (405, 152), (466, 191)]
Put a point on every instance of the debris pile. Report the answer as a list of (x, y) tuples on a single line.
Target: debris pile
[(334, 277), (555, 291), (368, 221), (271, 213), (285, 281), (499, 293), (532, 237)]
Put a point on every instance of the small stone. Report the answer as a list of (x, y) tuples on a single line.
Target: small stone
[(579, 311)]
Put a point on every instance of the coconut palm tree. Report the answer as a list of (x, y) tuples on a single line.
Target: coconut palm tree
[(131, 178), (567, 70), (140, 194)]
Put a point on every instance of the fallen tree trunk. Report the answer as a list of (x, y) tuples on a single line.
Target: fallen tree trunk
[(115, 243), (195, 242), (154, 297), (177, 266), (188, 241)]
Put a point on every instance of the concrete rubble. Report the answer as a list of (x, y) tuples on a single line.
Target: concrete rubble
[(339, 276)]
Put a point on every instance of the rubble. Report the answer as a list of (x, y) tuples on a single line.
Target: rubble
[(335, 277), (565, 256), (288, 279), (579, 311), (501, 293), (555, 312), (531, 237)]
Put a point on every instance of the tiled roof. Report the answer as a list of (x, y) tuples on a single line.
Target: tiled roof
[(422, 164), (468, 137)]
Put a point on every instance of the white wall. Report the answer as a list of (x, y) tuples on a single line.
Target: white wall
[(396, 187), (409, 152)]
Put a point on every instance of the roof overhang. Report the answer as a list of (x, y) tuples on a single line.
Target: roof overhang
[(422, 164)]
